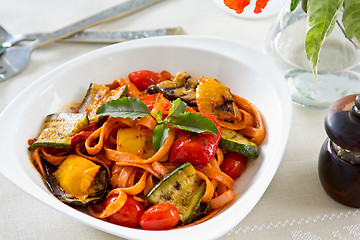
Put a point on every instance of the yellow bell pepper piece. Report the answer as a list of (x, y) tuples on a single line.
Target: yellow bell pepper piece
[(136, 141), (75, 175)]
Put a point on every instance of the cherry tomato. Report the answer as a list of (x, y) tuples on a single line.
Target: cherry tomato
[(160, 217), (144, 78), (129, 215), (196, 148), (165, 75), (233, 164)]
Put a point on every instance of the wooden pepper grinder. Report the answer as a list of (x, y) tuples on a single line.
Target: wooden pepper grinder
[(339, 159)]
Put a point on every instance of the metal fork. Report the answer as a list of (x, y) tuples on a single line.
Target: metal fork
[(16, 58), (6, 39)]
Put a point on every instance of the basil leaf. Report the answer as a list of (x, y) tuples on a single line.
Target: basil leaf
[(125, 107), (160, 133), (351, 19), (193, 122), (322, 15), (159, 117), (177, 108), (294, 4)]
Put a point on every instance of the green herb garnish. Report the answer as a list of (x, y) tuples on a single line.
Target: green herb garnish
[(124, 107), (133, 108)]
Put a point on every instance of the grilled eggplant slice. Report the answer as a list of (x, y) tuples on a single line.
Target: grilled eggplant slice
[(181, 188), (96, 96), (59, 128), (183, 86), (77, 181)]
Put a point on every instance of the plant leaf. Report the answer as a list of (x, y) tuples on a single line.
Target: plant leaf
[(125, 107), (351, 19), (177, 108), (304, 5), (294, 4), (160, 133), (322, 15), (193, 122)]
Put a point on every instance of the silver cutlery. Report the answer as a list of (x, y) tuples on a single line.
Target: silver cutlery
[(94, 36), (16, 58)]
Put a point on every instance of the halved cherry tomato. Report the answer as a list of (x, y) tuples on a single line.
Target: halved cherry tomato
[(129, 215), (149, 100), (160, 217), (196, 148), (83, 134), (80, 137), (144, 78), (233, 164)]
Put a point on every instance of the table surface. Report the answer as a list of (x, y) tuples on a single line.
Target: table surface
[(293, 207)]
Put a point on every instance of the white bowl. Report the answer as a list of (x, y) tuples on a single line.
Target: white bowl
[(248, 72)]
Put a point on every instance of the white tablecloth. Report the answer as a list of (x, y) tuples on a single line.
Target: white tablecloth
[(293, 207)]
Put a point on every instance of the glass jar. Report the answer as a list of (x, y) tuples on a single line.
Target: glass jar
[(339, 158), (338, 66)]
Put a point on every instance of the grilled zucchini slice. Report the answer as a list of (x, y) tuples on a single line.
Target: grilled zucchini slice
[(59, 128), (236, 142), (96, 96), (181, 188)]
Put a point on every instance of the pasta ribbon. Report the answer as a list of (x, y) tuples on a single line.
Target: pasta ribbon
[(217, 175), (138, 187), (53, 159), (112, 207), (257, 133), (160, 169), (131, 88), (223, 199), (210, 189), (37, 162), (95, 142)]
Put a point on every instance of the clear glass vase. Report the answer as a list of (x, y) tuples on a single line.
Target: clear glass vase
[(338, 66)]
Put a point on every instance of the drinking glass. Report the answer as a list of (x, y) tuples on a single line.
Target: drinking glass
[(338, 66)]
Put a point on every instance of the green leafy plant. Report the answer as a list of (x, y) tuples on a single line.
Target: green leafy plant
[(133, 108), (322, 16)]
